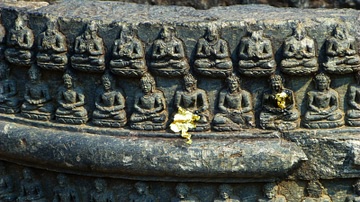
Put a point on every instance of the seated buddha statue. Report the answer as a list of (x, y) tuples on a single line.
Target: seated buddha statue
[(212, 55), (19, 43), (256, 55), (9, 101), (168, 54), (341, 52), (299, 54), (89, 51), (128, 55), (109, 106), (37, 103), (52, 48), (195, 100), (353, 112), (150, 111), (71, 103), (279, 110), (323, 105), (235, 105)]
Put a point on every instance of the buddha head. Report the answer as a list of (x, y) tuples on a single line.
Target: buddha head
[(225, 191), (340, 32), (62, 180), (106, 81), (100, 185), (270, 190), (190, 82), (148, 83), (19, 22), (322, 82), (141, 188), (68, 80), (299, 32), (182, 191), (34, 73), (233, 83), (276, 82), (212, 33), (167, 33)]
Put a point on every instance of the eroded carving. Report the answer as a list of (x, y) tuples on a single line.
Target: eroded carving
[(183, 194), (226, 194), (355, 197), (213, 55), (168, 54), (142, 193), (52, 48), (71, 102), (315, 191), (30, 189), (64, 192), (89, 50), (353, 113), (194, 100), (271, 194), (279, 108), (128, 56), (37, 100), (19, 43), (6, 185), (9, 102), (109, 105), (235, 105), (101, 192), (341, 52), (299, 54), (150, 111), (323, 105), (256, 55)]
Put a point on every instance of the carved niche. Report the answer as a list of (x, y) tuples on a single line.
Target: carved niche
[(256, 55), (353, 99), (299, 53), (168, 55), (9, 100), (212, 57), (89, 50), (52, 48), (19, 43), (128, 55), (341, 52)]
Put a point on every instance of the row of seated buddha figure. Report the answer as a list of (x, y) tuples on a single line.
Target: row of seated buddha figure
[(167, 55), (150, 111)]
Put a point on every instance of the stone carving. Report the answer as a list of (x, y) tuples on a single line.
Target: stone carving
[(194, 100), (101, 193), (37, 100), (71, 102), (150, 111), (315, 191), (341, 52), (142, 193), (109, 106), (9, 102), (89, 50), (356, 196), (6, 185), (183, 194), (168, 54), (279, 108), (256, 55), (353, 113), (128, 56), (323, 105), (235, 105), (19, 43), (299, 54), (64, 192), (226, 194), (52, 48), (213, 55), (271, 194), (30, 189), (2, 40)]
